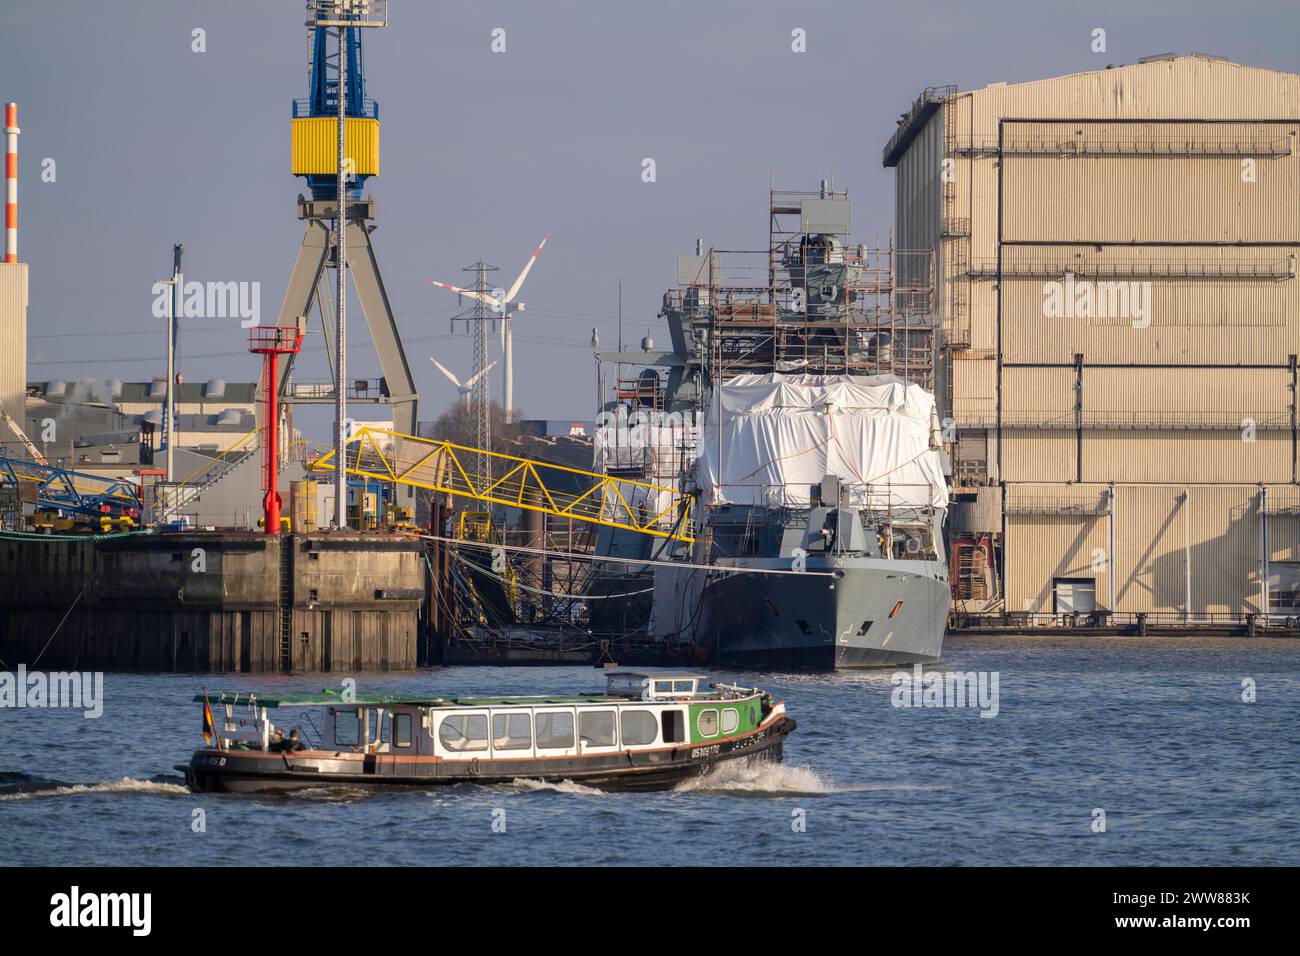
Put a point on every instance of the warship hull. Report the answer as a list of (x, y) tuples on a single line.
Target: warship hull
[(868, 612)]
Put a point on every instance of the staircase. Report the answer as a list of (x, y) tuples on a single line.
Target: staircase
[(972, 572), (286, 604), (174, 500)]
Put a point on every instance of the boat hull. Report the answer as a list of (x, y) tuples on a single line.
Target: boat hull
[(869, 613), (239, 771)]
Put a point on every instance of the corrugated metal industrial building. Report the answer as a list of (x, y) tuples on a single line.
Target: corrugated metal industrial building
[(1118, 289), (13, 344)]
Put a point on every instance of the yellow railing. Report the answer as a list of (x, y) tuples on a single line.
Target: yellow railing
[(517, 482), (209, 466)]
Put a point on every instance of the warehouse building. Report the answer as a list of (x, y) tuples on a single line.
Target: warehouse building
[(1120, 322)]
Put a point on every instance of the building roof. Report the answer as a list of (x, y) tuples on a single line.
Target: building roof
[(237, 422), (94, 391), (1156, 86)]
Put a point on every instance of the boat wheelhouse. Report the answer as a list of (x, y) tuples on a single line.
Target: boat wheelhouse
[(647, 731)]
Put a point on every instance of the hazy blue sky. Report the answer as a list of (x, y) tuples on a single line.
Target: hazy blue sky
[(483, 153)]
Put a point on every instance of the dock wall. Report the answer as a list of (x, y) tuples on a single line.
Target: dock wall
[(220, 602)]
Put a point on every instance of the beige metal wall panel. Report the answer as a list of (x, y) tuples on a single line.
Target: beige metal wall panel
[(1036, 395), (984, 316), (1041, 548), (1031, 454), (1189, 395), (1201, 321), (983, 208), (1195, 456), (1186, 87), (1218, 531), (13, 346), (1225, 551), (1145, 199), (1154, 535), (974, 389)]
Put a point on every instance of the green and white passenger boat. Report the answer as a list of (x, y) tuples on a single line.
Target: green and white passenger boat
[(646, 732)]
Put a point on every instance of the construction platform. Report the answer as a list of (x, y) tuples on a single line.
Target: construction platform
[(227, 601)]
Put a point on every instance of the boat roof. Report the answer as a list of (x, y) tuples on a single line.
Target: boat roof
[(328, 698)]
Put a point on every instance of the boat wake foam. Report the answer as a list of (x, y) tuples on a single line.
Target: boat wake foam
[(18, 786), (563, 786), (761, 778)]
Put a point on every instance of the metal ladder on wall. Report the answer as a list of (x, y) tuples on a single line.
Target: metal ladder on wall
[(286, 604)]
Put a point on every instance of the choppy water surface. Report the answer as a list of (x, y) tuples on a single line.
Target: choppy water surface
[(1153, 731)]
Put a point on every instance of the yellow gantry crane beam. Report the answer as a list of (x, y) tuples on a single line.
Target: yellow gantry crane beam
[(520, 483)]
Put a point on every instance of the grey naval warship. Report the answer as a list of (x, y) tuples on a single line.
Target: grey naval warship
[(798, 412)]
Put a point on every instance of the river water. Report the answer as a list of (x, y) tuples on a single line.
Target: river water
[(1151, 732)]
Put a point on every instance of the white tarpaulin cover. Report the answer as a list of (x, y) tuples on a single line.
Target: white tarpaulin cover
[(780, 434)]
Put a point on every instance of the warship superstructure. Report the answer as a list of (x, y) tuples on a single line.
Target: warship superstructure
[(795, 404)]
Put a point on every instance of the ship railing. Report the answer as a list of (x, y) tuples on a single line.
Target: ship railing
[(733, 691)]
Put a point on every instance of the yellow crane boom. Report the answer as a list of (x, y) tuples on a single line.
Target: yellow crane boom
[(517, 482)]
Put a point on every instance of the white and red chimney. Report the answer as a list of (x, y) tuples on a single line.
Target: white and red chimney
[(11, 182)]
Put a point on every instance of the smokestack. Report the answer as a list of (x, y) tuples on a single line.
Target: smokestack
[(11, 182)]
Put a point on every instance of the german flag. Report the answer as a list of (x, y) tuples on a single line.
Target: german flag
[(209, 728)]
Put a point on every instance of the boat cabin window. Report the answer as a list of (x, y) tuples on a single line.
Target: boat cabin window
[(596, 727), (707, 723), (639, 728), (554, 729), (677, 687), (512, 731), (674, 726), (730, 720), (402, 730), (377, 729), (347, 728), (460, 732)]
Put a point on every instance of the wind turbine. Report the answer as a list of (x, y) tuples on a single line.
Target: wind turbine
[(499, 302), (465, 388)]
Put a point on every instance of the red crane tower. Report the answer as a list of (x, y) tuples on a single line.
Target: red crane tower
[(272, 342)]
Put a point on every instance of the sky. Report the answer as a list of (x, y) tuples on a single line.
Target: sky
[(483, 153)]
